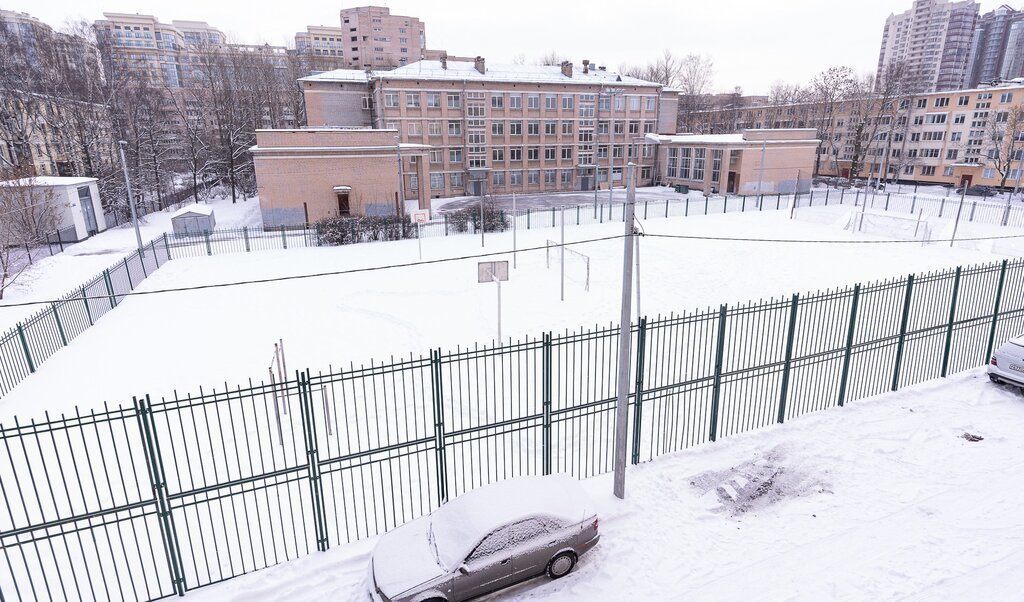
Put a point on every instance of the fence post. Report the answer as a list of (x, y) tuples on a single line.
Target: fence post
[(705, 205), (778, 201), (157, 477), (316, 490), (995, 311), (527, 218), (638, 406), (949, 327), (60, 325), (546, 393), (645, 209), (789, 358), (110, 288), (441, 464), (142, 262), (743, 204), (686, 212), (24, 347), (887, 200), (128, 273), (284, 238), (666, 206), (826, 197), (206, 240), (974, 205), (245, 238), (942, 203), (913, 203), (903, 332), (716, 390), (85, 302), (167, 247), (849, 345)]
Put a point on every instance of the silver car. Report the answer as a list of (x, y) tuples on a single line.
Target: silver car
[(485, 540), (1007, 363)]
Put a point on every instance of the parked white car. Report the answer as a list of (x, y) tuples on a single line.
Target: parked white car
[(1007, 363), (486, 540)]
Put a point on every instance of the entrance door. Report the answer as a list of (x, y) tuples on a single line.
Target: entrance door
[(966, 179), (343, 206), (845, 173), (586, 183), (88, 211), (730, 186)]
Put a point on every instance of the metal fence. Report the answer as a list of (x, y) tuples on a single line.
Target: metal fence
[(984, 211), (33, 340), (238, 240), (160, 497)]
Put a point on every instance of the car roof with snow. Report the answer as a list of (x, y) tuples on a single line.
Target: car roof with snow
[(462, 522)]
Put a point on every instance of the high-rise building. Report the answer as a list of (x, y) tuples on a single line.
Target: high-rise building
[(991, 49), (374, 38), (932, 41)]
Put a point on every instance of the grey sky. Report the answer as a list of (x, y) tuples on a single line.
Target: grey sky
[(752, 43)]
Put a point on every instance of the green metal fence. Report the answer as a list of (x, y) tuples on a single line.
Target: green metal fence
[(156, 498), (33, 340)]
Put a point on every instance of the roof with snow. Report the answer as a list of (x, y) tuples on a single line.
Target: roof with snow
[(749, 136), (49, 181), (194, 209), (466, 70)]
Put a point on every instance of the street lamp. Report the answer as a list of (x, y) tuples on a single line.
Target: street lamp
[(608, 93), (131, 198)]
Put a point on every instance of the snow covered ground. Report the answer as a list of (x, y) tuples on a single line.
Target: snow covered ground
[(884, 499), (51, 277), (180, 341)]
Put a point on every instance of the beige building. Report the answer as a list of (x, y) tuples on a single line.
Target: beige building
[(933, 40), (750, 162), (502, 128), (309, 174), (374, 38)]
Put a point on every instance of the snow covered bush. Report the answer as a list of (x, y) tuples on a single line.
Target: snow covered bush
[(349, 230), (495, 219)]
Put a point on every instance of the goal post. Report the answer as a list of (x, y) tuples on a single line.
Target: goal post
[(576, 262), (889, 225)]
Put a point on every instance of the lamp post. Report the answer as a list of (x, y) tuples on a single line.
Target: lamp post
[(625, 326), (608, 93), (131, 198)]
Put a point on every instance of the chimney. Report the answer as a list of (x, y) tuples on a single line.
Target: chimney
[(444, 61), (479, 64), (567, 68), (601, 68), (586, 65)]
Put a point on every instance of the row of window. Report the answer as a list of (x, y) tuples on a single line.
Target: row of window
[(531, 177), (689, 163), (514, 101)]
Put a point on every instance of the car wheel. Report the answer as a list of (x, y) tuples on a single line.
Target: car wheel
[(561, 565)]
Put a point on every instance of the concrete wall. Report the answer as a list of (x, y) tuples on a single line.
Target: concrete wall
[(788, 167), (336, 104)]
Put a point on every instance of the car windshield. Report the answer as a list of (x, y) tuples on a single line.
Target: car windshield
[(448, 538)]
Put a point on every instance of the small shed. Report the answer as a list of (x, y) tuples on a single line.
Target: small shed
[(78, 201), (192, 220)]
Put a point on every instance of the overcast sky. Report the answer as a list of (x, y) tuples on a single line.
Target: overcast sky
[(752, 43)]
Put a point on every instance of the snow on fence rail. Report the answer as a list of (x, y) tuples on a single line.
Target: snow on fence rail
[(33, 340), (160, 497), (237, 240)]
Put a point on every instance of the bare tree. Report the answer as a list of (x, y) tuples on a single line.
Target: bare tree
[(551, 57), (696, 75), (1004, 139), (28, 213), (829, 89)]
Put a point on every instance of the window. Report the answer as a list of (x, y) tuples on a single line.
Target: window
[(533, 153), (434, 128), (684, 163), (1006, 97), (566, 105), (498, 179), (497, 101), (414, 181), (634, 127), (434, 100), (947, 171), (567, 177), (919, 120), (533, 176), (436, 181), (515, 178), (550, 175), (498, 155), (567, 128), (698, 163), (549, 153), (602, 127), (908, 170), (936, 118), (567, 153), (959, 118), (456, 179), (988, 173), (922, 103), (436, 156), (515, 102), (515, 153), (620, 103), (963, 100), (927, 170), (533, 128), (550, 102), (497, 128), (455, 155), (391, 100), (454, 100), (716, 165), (533, 101), (515, 128), (412, 99), (933, 136), (475, 111), (617, 151), (454, 128), (550, 128), (650, 102), (414, 128), (941, 102), (955, 136), (951, 154)]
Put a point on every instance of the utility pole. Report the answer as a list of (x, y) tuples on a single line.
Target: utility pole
[(515, 218), (625, 326), (131, 198), (401, 176), (960, 208), (760, 171), (561, 217)]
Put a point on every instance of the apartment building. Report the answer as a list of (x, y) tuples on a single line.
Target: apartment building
[(973, 136), (374, 38), (997, 51), (143, 46), (933, 41), (501, 128), (324, 43)]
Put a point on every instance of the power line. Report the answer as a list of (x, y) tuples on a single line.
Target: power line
[(834, 242), (307, 276)]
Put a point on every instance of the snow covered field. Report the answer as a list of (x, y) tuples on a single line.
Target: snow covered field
[(51, 277), (884, 499), (180, 341)]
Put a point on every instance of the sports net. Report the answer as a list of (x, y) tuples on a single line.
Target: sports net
[(903, 227), (577, 265)]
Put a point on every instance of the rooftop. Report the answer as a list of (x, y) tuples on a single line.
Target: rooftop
[(49, 181), (467, 71)]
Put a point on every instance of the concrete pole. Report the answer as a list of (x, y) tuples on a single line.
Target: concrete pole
[(561, 217), (131, 199), (482, 221), (959, 209), (760, 172), (515, 218), (638, 313), (622, 402)]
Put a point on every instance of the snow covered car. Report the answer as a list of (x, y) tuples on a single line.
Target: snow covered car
[(485, 540), (1007, 363)]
